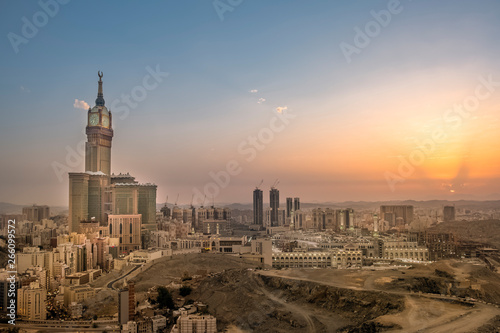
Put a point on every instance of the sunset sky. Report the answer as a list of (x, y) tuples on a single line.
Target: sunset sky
[(417, 102)]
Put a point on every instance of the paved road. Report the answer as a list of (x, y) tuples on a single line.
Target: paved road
[(110, 285)]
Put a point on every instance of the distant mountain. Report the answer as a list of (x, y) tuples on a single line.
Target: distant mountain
[(8, 208), (489, 204)]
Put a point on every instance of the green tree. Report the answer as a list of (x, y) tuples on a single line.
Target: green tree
[(185, 290), (164, 298)]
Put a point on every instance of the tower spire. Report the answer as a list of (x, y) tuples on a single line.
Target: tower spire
[(100, 97)]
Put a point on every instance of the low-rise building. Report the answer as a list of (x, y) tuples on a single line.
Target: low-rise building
[(397, 249), (335, 258), (77, 294), (159, 323), (195, 324)]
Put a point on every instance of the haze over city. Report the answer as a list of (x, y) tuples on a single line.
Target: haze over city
[(354, 116), (250, 166)]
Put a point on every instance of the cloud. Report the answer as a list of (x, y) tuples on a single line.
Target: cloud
[(80, 104), (253, 91), (280, 109), (23, 88), (261, 100)]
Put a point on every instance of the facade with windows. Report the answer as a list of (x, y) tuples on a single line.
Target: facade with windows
[(336, 258), (405, 250), (127, 228)]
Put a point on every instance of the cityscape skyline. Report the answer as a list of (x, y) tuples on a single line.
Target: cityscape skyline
[(354, 117), (250, 166)]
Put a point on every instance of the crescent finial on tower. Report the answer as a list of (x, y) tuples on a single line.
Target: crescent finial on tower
[(100, 96)]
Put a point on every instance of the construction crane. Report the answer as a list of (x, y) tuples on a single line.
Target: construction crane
[(259, 184), (204, 198), (275, 183), (177, 199), (191, 205)]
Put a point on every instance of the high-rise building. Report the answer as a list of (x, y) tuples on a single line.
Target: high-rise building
[(289, 206), (258, 207), (99, 135), (296, 204), (126, 303), (5, 285), (323, 219), (4, 219), (32, 301), (96, 193), (127, 228), (131, 300), (390, 218), (449, 213), (403, 211), (166, 211), (274, 200), (123, 311), (36, 213)]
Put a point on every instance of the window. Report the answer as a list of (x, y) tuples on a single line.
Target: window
[(121, 228)]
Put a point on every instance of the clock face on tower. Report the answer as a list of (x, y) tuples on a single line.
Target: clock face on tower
[(94, 119), (105, 121)]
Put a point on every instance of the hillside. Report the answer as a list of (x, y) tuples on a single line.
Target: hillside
[(487, 231)]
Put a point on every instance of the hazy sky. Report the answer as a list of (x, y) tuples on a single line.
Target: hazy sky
[(338, 96)]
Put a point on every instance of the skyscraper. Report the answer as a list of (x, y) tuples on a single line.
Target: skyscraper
[(403, 211), (449, 213), (296, 204), (36, 213), (99, 135), (274, 200), (96, 193), (258, 207), (89, 192), (289, 206)]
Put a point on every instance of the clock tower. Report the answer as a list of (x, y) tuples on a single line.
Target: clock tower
[(99, 135)]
